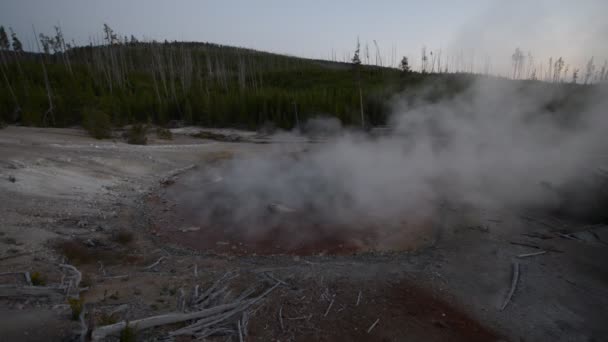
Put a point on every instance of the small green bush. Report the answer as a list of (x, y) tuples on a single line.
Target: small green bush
[(97, 123), (163, 133), (136, 135), (76, 305), (106, 319), (127, 334), (38, 279)]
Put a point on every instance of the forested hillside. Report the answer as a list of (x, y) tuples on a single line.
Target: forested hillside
[(121, 81), (200, 83)]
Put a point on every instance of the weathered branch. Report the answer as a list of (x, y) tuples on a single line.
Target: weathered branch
[(514, 281)]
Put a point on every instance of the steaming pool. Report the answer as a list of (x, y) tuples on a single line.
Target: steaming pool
[(201, 211)]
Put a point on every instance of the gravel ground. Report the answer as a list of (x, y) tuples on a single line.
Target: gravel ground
[(98, 205)]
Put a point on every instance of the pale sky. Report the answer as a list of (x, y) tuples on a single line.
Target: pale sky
[(575, 30)]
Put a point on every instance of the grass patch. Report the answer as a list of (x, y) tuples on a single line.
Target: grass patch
[(136, 135), (38, 279), (76, 304), (128, 334), (106, 319)]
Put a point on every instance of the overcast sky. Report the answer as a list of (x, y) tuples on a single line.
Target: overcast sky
[(575, 30)]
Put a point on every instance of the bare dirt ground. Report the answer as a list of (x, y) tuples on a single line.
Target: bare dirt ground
[(103, 206)]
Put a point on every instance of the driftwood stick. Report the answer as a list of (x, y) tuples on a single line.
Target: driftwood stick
[(213, 287), (329, 308), (215, 315), (269, 275), (531, 254), (28, 278), (35, 291), (119, 308), (77, 274), (535, 246), (117, 276), (373, 326), (84, 329), (155, 263), (238, 325), (181, 300), (101, 268), (195, 293), (245, 320), (358, 299), (205, 323), (514, 281), (219, 318), (149, 322)]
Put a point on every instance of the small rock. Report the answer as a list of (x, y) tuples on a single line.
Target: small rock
[(12, 179), (190, 229), (82, 223)]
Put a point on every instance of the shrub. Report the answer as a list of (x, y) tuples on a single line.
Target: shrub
[(163, 133), (38, 279), (136, 135), (127, 334), (106, 319), (97, 123), (76, 304)]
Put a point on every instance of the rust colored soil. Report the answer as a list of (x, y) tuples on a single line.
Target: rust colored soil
[(292, 236), (404, 313)]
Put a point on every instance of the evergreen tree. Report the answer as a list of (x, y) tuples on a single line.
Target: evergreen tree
[(17, 46), (356, 60), (4, 42), (46, 42), (357, 64), (404, 65)]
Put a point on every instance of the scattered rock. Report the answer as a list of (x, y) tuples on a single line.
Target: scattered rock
[(279, 208), (12, 179), (190, 229), (82, 223)]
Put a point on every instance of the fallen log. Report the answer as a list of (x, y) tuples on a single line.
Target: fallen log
[(149, 322), (531, 254), (155, 263), (33, 291), (177, 317)]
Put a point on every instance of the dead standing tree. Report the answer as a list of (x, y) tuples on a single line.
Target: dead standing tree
[(356, 61), (50, 111), (590, 69)]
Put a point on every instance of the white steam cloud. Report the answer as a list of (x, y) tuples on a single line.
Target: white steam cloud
[(499, 144)]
